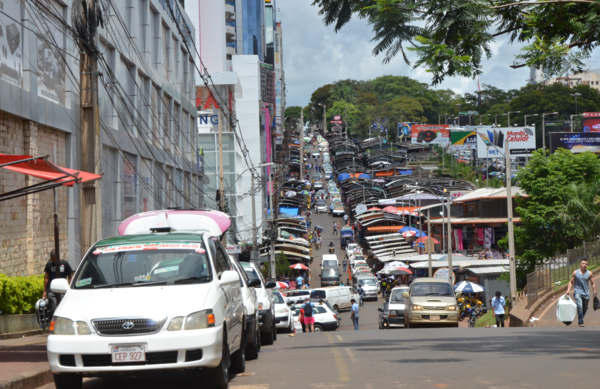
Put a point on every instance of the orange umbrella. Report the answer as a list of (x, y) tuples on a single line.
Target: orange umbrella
[(422, 240)]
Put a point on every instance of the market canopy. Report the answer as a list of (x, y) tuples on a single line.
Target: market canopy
[(40, 167)]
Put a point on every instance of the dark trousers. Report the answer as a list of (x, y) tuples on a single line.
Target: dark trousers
[(52, 301), (303, 327), (500, 320)]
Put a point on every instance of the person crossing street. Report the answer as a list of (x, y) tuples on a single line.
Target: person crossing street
[(335, 227), (579, 283), (354, 314)]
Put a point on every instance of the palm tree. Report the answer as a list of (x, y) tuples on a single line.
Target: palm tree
[(581, 213), (343, 91)]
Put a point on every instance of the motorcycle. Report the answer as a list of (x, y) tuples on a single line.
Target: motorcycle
[(331, 249), (476, 313)]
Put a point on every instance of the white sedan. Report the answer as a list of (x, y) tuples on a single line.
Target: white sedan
[(325, 318), (283, 315)]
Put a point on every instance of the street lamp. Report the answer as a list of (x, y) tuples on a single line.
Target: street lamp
[(526, 116), (496, 118), (544, 128), (576, 95), (446, 118), (470, 119), (509, 112)]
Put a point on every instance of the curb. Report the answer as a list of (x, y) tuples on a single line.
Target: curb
[(29, 380), (14, 335)]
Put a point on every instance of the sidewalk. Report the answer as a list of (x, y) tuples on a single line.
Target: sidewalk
[(23, 363)]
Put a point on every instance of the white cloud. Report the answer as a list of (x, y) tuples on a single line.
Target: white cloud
[(314, 55)]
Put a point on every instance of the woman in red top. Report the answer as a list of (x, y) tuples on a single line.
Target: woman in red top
[(301, 315)]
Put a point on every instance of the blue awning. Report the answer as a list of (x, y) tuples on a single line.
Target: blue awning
[(289, 211)]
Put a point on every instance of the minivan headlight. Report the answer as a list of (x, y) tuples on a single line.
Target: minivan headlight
[(417, 308), (176, 324), (83, 328), (451, 308), (200, 320), (62, 326)]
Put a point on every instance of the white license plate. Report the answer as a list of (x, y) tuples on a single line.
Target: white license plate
[(122, 354), (434, 317)]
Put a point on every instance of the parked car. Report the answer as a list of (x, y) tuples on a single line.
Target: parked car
[(128, 310), (251, 306), (295, 296), (351, 248), (430, 302), (321, 206), (329, 260), (337, 296), (325, 318), (283, 315), (318, 185), (396, 307), (266, 307), (317, 176)]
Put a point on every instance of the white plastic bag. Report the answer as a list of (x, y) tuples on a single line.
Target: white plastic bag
[(566, 310)]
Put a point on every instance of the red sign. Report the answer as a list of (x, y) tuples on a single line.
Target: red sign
[(591, 114), (430, 133), (337, 122), (591, 125), (337, 117)]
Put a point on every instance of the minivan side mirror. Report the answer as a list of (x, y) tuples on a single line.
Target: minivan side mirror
[(270, 285), (229, 277), (59, 285), (254, 282), (380, 310), (406, 295)]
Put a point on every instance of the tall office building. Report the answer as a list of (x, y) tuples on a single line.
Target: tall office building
[(250, 28)]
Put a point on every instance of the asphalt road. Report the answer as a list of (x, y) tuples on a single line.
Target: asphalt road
[(419, 358)]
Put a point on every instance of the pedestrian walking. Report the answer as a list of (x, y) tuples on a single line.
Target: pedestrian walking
[(338, 225), (346, 219), (354, 314), (318, 242), (498, 309), (579, 284), (50, 274), (361, 293), (299, 282), (309, 319), (344, 263), (334, 228), (301, 318)]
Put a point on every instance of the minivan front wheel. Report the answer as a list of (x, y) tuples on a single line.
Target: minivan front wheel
[(219, 376)]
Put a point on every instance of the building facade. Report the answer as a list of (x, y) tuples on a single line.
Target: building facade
[(149, 157), (590, 78)]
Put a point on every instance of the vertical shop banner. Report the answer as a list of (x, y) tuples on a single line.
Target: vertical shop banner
[(577, 142), (491, 141), (463, 140), (430, 134), (11, 58), (50, 63)]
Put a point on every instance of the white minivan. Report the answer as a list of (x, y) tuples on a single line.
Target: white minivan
[(337, 296), (157, 301), (329, 260)]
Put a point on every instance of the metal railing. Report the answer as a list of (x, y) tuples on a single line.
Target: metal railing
[(556, 271)]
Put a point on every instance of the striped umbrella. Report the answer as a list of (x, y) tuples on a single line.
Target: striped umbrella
[(468, 287), (281, 285), (298, 266)]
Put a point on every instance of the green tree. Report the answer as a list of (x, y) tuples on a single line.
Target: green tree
[(582, 210), (548, 181), (453, 37), (340, 108), (343, 91), (292, 114), (282, 265)]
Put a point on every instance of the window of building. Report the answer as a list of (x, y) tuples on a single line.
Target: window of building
[(155, 31), (166, 51), (142, 40), (177, 61), (129, 185), (155, 115), (167, 117)]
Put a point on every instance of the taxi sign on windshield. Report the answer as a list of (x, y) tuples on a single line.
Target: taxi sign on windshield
[(151, 246)]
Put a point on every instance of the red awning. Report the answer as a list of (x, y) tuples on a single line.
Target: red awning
[(42, 168)]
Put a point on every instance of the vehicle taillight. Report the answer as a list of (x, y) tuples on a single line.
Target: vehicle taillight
[(335, 317)]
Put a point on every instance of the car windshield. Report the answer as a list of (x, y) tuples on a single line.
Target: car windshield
[(397, 295), (330, 273), (278, 299), (144, 264), (317, 294), (329, 262), (432, 289), (367, 282)]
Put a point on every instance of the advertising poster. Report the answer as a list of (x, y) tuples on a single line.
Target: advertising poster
[(591, 125), (51, 76), (435, 134), (403, 131), (491, 142), (577, 142), (463, 140), (11, 59)]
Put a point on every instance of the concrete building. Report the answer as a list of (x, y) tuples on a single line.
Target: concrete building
[(147, 117), (590, 77)]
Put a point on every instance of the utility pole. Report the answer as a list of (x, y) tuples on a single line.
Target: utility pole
[(511, 231), (449, 248), (302, 145), (254, 240), (221, 175), (91, 196), (428, 245), (273, 232)]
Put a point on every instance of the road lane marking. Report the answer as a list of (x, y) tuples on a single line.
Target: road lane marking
[(343, 375), (350, 354), (339, 338)]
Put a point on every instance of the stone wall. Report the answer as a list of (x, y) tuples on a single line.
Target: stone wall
[(27, 223)]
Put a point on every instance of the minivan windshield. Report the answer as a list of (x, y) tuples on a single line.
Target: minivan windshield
[(432, 289), (144, 264), (329, 262), (330, 273), (397, 295)]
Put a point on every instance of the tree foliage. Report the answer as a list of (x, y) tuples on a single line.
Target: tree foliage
[(550, 216), (292, 114), (453, 37)]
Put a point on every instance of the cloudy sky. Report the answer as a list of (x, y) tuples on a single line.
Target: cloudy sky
[(314, 55)]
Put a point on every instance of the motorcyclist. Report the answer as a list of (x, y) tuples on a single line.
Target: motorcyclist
[(331, 247)]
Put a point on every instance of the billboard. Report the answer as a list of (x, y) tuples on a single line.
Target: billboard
[(51, 76), (463, 140), (577, 142), (491, 142), (435, 134), (591, 125)]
